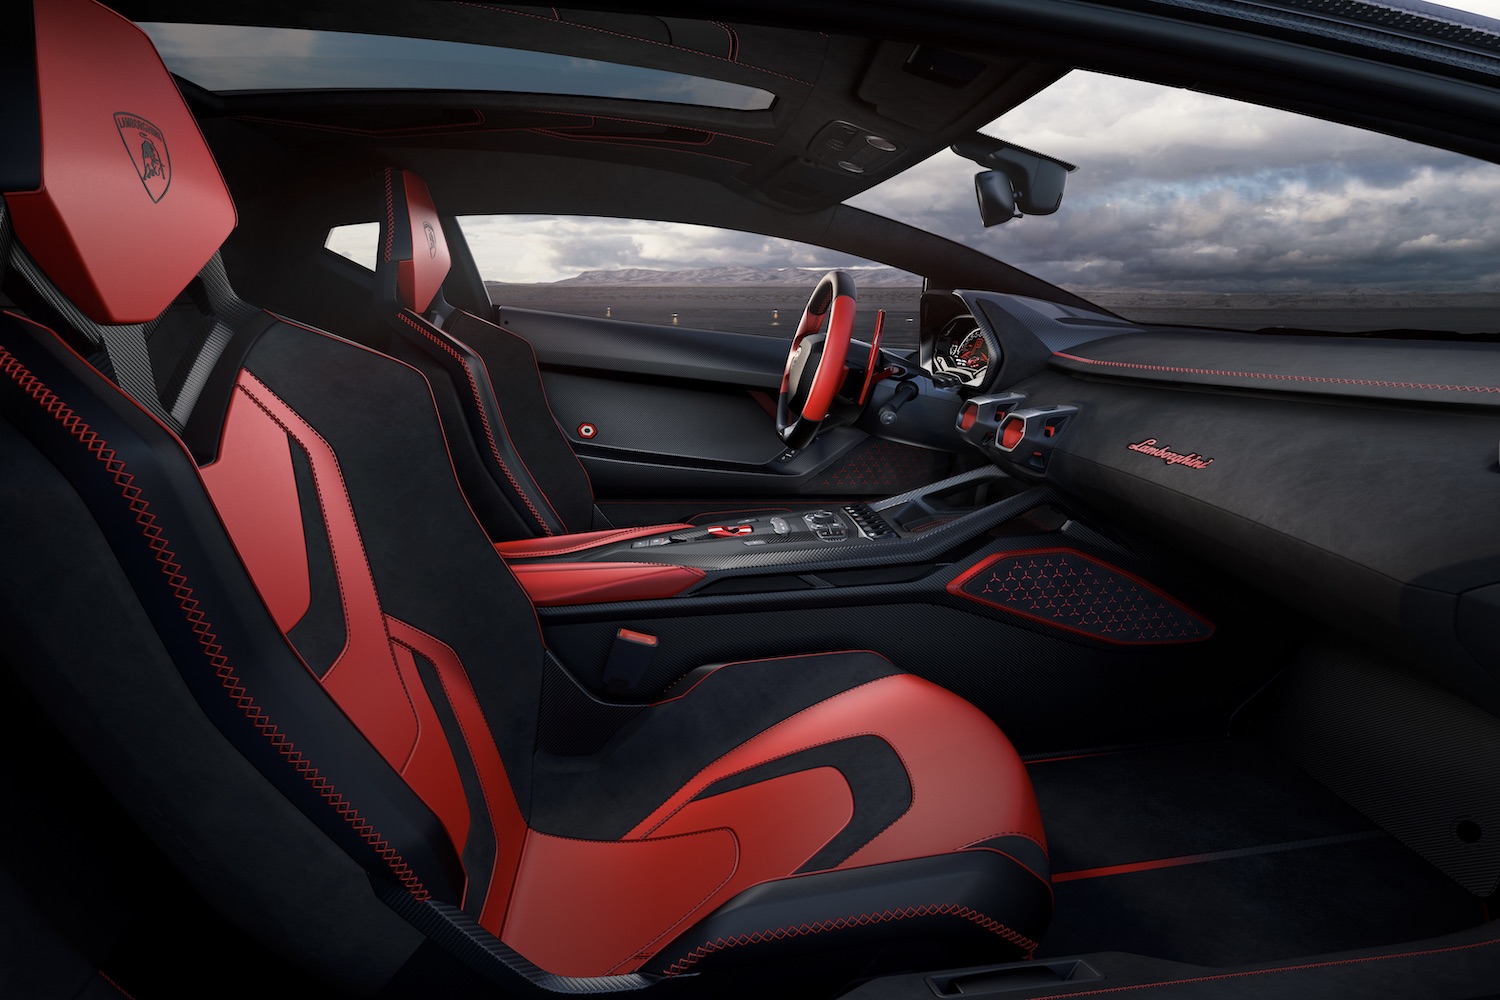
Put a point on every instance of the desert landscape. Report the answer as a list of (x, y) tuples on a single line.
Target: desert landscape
[(768, 302)]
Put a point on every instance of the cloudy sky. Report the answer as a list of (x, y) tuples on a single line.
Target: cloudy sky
[(1174, 191)]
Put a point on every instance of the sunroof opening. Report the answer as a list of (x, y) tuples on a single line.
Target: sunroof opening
[(226, 58)]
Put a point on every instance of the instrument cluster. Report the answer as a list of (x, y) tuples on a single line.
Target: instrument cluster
[(961, 352)]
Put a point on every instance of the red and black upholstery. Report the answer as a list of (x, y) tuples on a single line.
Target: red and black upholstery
[(326, 595)]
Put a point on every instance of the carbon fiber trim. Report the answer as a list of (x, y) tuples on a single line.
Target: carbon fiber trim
[(930, 588), (125, 346), (1331, 19), (814, 556), (457, 934), (230, 313)]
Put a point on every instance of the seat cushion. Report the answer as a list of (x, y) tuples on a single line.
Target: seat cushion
[(766, 769)]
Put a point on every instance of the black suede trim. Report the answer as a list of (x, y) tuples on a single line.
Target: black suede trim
[(496, 513), (321, 634), (604, 796), (511, 366), (434, 567), (877, 780), (235, 636), (573, 722), (479, 848)]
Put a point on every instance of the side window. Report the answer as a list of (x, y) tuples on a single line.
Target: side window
[(673, 274), (356, 242)]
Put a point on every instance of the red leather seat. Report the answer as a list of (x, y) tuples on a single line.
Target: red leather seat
[(298, 541)]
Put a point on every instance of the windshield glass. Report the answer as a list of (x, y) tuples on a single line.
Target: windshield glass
[(1188, 208), (235, 57)]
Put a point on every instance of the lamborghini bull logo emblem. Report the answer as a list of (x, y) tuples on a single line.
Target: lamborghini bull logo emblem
[(147, 147), (431, 239)]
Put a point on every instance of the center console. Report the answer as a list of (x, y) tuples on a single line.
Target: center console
[(666, 561)]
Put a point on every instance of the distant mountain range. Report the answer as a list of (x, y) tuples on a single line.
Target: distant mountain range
[(889, 276)]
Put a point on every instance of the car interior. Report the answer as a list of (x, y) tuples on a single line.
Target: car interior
[(368, 636)]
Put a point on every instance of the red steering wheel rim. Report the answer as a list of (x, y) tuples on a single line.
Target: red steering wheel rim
[(806, 397)]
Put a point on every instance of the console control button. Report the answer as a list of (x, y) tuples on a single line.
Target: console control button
[(826, 525)]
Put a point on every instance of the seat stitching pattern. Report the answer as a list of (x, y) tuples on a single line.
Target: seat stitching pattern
[(685, 964), (1008, 833), (202, 628)]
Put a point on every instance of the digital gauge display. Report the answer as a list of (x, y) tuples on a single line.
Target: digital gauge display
[(961, 351)]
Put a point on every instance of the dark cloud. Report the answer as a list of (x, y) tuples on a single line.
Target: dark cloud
[(1175, 191), (1178, 190)]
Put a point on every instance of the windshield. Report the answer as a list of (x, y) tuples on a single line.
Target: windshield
[(1188, 208)]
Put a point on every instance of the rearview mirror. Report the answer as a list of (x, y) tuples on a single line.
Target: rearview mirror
[(997, 203), (1017, 178)]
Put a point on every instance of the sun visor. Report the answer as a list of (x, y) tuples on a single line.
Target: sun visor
[(413, 240), (131, 204)]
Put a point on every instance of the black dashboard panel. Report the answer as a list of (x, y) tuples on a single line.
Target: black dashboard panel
[(980, 341), (1357, 485)]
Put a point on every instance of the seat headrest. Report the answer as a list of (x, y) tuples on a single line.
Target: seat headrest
[(411, 238), (131, 204)]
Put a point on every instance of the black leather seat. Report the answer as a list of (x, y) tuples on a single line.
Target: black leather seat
[(316, 578)]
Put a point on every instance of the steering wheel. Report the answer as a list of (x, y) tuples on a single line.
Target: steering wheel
[(814, 370)]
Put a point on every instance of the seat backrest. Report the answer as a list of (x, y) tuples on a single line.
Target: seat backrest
[(318, 579), (513, 460)]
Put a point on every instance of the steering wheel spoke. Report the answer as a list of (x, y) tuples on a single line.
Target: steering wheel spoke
[(814, 370)]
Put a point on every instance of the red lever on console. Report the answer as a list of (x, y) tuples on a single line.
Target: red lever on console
[(730, 531)]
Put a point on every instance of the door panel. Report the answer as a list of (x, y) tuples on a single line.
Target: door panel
[(680, 413)]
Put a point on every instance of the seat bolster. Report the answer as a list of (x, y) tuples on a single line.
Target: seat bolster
[(974, 905)]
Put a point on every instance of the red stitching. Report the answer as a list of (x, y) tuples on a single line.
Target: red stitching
[(390, 214), (685, 964), (484, 419), (769, 729), (595, 119), (1282, 968), (202, 628), (1377, 383), (118, 988), (479, 119), (734, 41), (633, 38), (1009, 833), (633, 143)]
